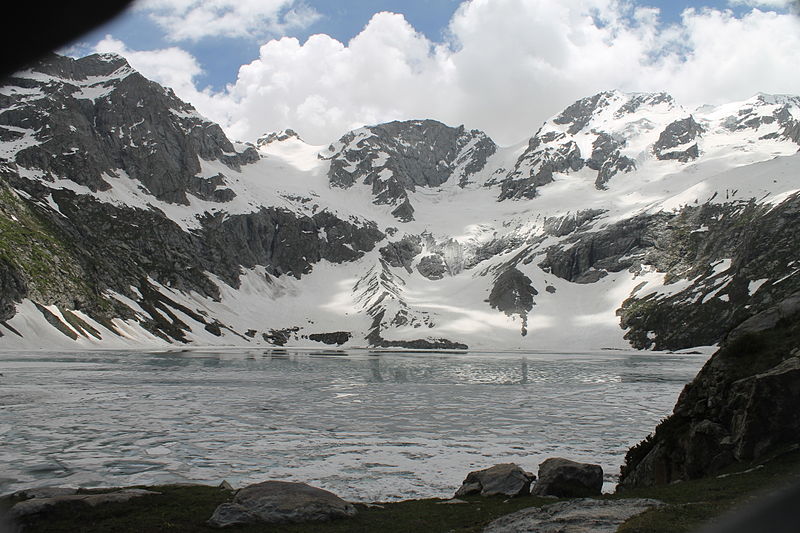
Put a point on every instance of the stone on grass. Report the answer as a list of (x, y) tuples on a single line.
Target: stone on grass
[(568, 479), (278, 502), (505, 479), (44, 492), (39, 505), (573, 516)]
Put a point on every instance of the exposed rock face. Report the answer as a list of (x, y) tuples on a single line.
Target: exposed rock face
[(279, 502), (93, 124), (718, 248), (607, 160), (574, 516), (505, 479), (568, 479), (402, 253), (554, 148), (513, 294), (677, 141), (578, 115), (535, 167), (12, 289), (336, 337), (432, 267), (278, 136), (741, 407), (568, 223), (778, 112), (397, 157)]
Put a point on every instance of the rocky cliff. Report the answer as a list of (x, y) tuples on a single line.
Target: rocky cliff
[(126, 218), (741, 407)]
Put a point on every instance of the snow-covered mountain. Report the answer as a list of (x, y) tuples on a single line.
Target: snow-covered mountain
[(127, 219)]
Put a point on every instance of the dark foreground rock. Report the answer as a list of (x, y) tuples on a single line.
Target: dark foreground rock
[(505, 479), (575, 516), (741, 407), (277, 502), (568, 479)]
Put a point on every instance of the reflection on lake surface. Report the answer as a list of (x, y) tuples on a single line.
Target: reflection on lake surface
[(368, 426)]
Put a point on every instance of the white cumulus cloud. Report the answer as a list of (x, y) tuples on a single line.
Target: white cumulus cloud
[(505, 67), (777, 4), (197, 19)]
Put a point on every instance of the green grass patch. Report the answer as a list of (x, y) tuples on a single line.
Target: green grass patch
[(690, 504), (186, 509)]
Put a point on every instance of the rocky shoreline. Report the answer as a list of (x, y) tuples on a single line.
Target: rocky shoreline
[(274, 503)]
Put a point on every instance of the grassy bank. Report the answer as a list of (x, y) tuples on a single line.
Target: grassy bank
[(186, 508)]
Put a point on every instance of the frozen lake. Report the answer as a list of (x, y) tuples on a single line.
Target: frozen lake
[(367, 426)]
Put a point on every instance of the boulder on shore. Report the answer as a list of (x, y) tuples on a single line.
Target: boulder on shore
[(44, 500), (277, 502), (505, 479), (568, 479)]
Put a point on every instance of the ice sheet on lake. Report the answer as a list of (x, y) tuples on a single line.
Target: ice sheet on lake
[(367, 427)]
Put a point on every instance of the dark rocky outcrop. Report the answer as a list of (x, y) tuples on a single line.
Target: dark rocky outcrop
[(337, 337), (402, 253), (280, 502), (432, 267), (607, 159), (544, 156), (564, 225), (505, 479), (778, 113), (277, 136), (679, 134), (512, 293), (579, 114), (741, 407), (421, 344), (568, 479), (12, 289), (93, 124), (397, 157), (693, 244)]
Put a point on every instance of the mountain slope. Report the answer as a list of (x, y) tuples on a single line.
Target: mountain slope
[(626, 220)]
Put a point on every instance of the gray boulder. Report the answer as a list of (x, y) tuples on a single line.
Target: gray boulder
[(568, 479), (277, 502), (574, 516), (51, 499), (505, 479)]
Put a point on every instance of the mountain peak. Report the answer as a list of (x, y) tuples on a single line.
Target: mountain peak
[(95, 65), (277, 136)]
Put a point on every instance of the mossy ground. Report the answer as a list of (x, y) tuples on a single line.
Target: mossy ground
[(186, 508), (690, 504), (38, 250)]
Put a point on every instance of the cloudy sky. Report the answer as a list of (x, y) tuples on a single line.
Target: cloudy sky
[(324, 67)]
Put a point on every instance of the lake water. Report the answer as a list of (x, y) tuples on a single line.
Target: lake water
[(367, 426)]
